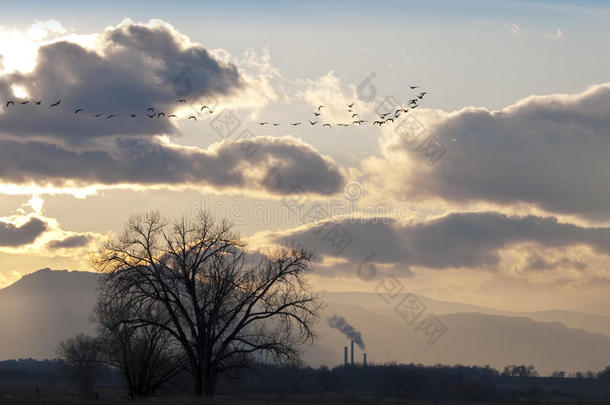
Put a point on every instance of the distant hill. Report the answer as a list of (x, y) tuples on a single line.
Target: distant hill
[(470, 339), (373, 302), (43, 308), (48, 306)]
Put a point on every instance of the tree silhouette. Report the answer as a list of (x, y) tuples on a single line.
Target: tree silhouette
[(223, 306)]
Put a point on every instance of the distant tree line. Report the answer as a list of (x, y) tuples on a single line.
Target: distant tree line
[(412, 381)]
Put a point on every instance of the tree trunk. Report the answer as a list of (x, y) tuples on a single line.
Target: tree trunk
[(198, 381), (209, 385)]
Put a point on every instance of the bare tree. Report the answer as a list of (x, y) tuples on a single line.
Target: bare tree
[(82, 356), (224, 307), (146, 354)]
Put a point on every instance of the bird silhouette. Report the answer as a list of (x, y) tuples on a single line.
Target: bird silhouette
[(172, 116), (24, 102), (263, 123), (38, 102), (151, 115), (313, 122), (77, 111), (414, 87), (181, 100), (316, 114), (192, 117), (204, 107), (110, 116), (275, 124), (55, 104), (320, 107), (160, 114), (98, 115), (350, 105), (133, 115), (355, 115), (150, 109), (327, 125), (421, 95), (295, 124), (377, 123), (10, 103)]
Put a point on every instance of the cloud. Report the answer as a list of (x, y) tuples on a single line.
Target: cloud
[(12, 235), (548, 151), (126, 69), (260, 164), (473, 240), (558, 34), (537, 262), (132, 67), (70, 242), (514, 28)]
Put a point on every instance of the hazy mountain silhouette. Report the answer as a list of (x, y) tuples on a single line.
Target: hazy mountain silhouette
[(42, 308), (48, 306), (373, 302)]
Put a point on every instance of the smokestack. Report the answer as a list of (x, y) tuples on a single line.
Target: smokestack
[(352, 352), (364, 359), (345, 355)]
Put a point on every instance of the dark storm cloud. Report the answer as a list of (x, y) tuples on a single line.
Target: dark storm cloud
[(550, 151), (13, 236), (70, 242), (140, 66), (140, 161), (459, 240)]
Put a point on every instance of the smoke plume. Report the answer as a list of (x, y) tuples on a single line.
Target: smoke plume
[(339, 322)]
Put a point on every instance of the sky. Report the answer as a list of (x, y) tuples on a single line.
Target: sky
[(493, 191)]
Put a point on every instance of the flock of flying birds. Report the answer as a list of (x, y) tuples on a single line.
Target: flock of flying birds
[(384, 117)]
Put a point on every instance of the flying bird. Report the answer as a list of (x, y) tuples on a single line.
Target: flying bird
[(98, 115), (295, 123), (421, 95), (275, 124), (150, 109), (110, 116), (182, 100), (55, 104), (327, 125), (77, 111), (355, 115), (10, 103), (204, 107), (160, 114), (263, 123), (24, 102), (414, 87), (172, 116), (377, 122), (313, 122), (38, 102), (151, 115), (133, 115), (320, 107), (192, 117), (350, 105), (316, 114), (384, 115)]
